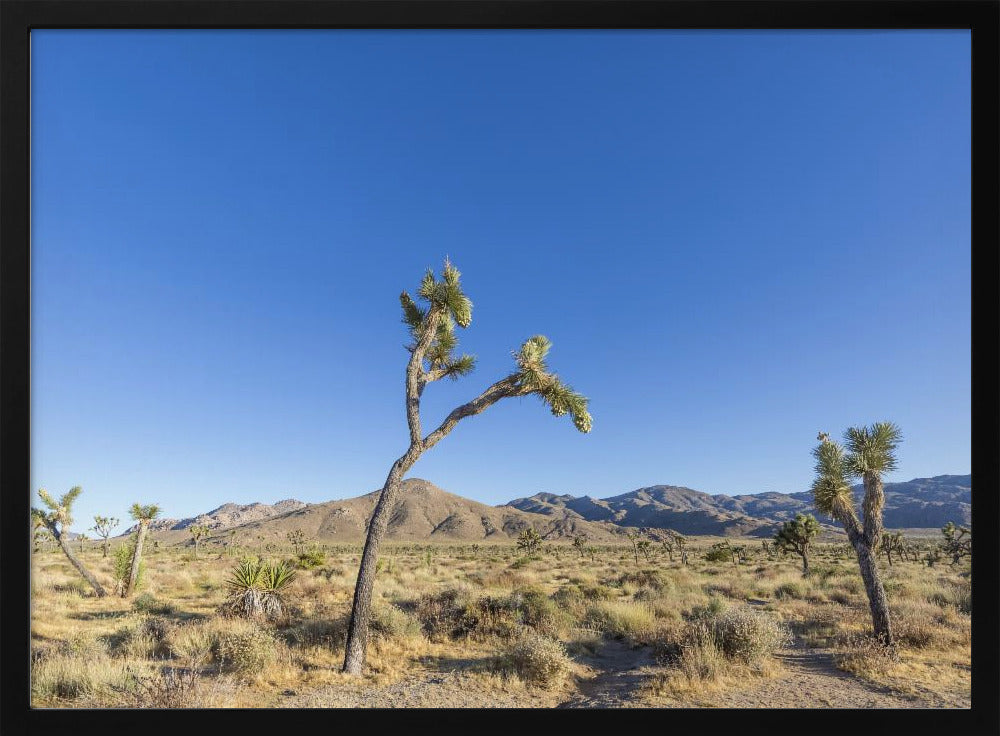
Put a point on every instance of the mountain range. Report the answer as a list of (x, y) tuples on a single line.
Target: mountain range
[(425, 512)]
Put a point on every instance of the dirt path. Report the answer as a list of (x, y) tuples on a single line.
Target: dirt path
[(620, 671), (811, 680)]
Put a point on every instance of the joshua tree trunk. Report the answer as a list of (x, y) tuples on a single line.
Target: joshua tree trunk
[(78, 565), (805, 562), (357, 634), (877, 600), (133, 575), (106, 545)]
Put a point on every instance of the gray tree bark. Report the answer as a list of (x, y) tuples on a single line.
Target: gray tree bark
[(136, 558), (88, 576)]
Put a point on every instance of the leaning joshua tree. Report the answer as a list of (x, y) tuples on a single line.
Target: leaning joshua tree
[(796, 536), (870, 454), (144, 515), (432, 328), (57, 521)]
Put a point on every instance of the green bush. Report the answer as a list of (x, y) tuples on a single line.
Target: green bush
[(123, 566), (310, 559)]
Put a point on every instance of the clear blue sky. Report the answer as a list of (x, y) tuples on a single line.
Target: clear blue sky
[(733, 240)]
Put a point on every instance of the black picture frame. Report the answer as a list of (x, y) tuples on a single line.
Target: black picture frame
[(19, 17)]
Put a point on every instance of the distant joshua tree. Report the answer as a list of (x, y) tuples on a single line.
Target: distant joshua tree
[(297, 538), (432, 329), (646, 547), (103, 526), (528, 541), (580, 543), (957, 541), (634, 535), (796, 536), (197, 532), (57, 521), (144, 515), (869, 455), (892, 543)]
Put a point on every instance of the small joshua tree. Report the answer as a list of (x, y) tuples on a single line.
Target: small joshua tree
[(957, 541), (592, 552), (796, 536), (645, 546), (197, 532), (103, 526), (57, 521), (297, 538), (432, 358), (144, 515), (892, 542), (83, 538), (528, 541), (869, 455), (634, 535), (580, 543)]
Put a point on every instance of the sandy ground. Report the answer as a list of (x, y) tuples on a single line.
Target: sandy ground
[(809, 679)]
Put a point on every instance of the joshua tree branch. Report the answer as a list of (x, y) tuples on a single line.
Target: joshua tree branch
[(415, 373), (502, 389)]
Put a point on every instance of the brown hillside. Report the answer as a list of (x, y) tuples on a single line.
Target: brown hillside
[(424, 513)]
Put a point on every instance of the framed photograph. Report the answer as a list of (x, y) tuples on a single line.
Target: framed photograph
[(416, 359)]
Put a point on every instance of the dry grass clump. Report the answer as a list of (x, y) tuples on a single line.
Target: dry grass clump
[(621, 618), (865, 656), (442, 615), (747, 635), (247, 651), (536, 659), (391, 622), (69, 677)]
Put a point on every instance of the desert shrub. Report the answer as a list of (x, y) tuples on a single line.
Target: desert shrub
[(310, 558), (747, 635), (321, 632), (620, 618), (598, 592), (82, 645), (494, 616), (710, 610), (788, 590), (257, 589), (914, 624), (144, 637), (537, 659), (442, 614), (643, 578), (191, 644), (391, 622), (170, 688), (147, 603), (540, 612), (247, 651), (70, 677), (520, 562), (720, 552), (865, 656)]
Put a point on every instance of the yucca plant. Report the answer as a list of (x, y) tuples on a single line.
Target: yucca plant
[(257, 589)]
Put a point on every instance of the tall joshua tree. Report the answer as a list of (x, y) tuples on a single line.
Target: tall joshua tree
[(143, 515), (869, 455), (432, 329), (197, 532), (57, 521), (103, 526), (796, 536)]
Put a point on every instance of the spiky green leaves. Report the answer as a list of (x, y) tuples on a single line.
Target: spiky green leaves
[(60, 511), (871, 449), (144, 513), (796, 534), (256, 588), (830, 489), (447, 294), (447, 306), (534, 377)]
